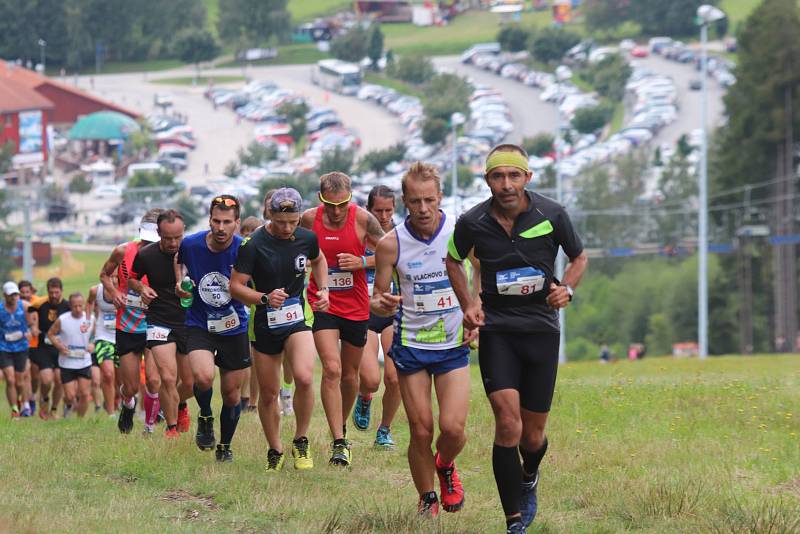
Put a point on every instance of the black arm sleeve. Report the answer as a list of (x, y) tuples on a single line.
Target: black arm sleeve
[(461, 241), (246, 258)]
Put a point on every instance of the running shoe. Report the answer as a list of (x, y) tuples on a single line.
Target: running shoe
[(361, 412), (172, 433), (516, 528), (341, 454), (224, 453), (32, 402), (183, 420), (451, 489), (43, 414), (97, 408), (252, 408), (14, 413), (160, 416), (287, 407), (274, 461), (528, 501), (148, 430), (67, 410), (205, 438), (383, 438), (125, 421), (428, 505), (302, 454), (26, 412)]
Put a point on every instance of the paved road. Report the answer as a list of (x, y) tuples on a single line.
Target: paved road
[(532, 116), (218, 134)]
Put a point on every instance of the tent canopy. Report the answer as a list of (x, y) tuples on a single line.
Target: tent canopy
[(103, 126)]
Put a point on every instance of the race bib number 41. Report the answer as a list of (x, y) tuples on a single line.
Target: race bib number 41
[(340, 280), (522, 281), (219, 323), (434, 297), (290, 313)]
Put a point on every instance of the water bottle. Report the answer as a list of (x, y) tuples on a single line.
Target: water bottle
[(187, 285)]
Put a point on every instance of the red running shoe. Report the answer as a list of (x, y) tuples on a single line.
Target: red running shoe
[(451, 489), (428, 505), (183, 420), (172, 433)]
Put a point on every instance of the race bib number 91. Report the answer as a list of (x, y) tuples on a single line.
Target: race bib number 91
[(290, 313), (522, 281), (434, 297)]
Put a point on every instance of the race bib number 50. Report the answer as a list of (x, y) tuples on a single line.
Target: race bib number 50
[(522, 281)]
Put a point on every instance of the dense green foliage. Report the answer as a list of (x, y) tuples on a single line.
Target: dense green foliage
[(251, 23), (377, 160), (608, 76), (434, 130), (257, 154), (375, 40), (412, 68), (539, 144), (591, 119), (514, 38), (350, 46), (194, 45), (74, 30), (336, 160), (446, 94), (654, 17), (550, 44)]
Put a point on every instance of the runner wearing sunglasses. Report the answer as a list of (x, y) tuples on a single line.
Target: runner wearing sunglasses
[(344, 231), (216, 324)]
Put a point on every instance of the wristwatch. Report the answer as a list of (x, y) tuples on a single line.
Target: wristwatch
[(264, 298), (570, 291)]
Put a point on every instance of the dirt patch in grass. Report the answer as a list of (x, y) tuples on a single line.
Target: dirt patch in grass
[(186, 497)]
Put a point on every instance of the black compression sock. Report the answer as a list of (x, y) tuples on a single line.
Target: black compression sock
[(531, 460), (508, 476), (203, 399), (182, 405), (228, 419)]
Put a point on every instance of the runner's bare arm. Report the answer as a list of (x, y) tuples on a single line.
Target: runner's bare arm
[(559, 296), (307, 219), (240, 290), (319, 269), (91, 299), (33, 319), (470, 303), (180, 272), (52, 335), (111, 265), (374, 231), (382, 302), (148, 293)]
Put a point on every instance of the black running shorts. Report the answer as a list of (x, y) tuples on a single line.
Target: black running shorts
[(17, 360), (525, 362), (68, 375), (127, 343), (231, 353), (353, 332), (176, 335), (378, 324), (272, 340)]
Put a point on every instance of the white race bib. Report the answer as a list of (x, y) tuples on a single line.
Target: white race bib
[(522, 281), (78, 353), (47, 341), (13, 336), (135, 301), (109, 321), (340, 280), (434, 297), (217, 325), (157, 333), (290, 313)]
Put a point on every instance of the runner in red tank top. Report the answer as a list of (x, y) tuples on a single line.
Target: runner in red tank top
[(343, 231)]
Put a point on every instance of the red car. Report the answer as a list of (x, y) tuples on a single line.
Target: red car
[(639, 51)]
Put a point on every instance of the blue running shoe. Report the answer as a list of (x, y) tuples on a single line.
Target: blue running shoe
[(383, 438), (528, 501), (26, 412), (32, 402), (361, 413)]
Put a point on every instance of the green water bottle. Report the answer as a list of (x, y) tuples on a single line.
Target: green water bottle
[(187, 285)]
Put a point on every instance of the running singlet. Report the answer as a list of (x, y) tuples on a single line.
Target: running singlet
[(75, 332), (212, 308), (131, 318), (347, 289), (106, 322), (13, 327), (157, 267), (429, 315)]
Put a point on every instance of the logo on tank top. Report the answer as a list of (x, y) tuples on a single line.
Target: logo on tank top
[(300, 262), (214, 289), (331, 238)]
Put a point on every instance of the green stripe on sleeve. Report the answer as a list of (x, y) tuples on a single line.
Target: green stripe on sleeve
[(452, 250)]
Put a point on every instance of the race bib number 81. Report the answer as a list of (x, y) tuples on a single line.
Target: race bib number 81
[(522, 281)]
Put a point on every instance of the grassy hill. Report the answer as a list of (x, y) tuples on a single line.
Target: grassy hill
[(659, 445)]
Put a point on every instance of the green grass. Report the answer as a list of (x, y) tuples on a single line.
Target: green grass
[(393, 83), (296, 54), (212, 14), (658, 445), (77, 270), (121, 67), (308, 10), (617, 118), (198, 80)]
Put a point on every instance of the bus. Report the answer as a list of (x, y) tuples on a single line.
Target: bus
[(335, 75)]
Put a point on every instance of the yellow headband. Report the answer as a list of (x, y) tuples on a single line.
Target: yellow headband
[(506, 159)]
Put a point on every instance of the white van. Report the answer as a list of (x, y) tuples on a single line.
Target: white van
[(481, 48), (150, 166)]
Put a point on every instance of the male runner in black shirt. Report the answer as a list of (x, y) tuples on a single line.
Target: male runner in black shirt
[(516, 235), (45, 356), (166, 333)]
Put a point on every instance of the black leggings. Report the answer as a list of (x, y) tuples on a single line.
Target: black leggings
[(525, 362)]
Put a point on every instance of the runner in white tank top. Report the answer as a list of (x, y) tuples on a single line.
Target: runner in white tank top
[(104, 355), (70, 335), (429, 342)]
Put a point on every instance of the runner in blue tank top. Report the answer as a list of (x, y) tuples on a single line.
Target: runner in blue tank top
[(216, 324), (14, 344)]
